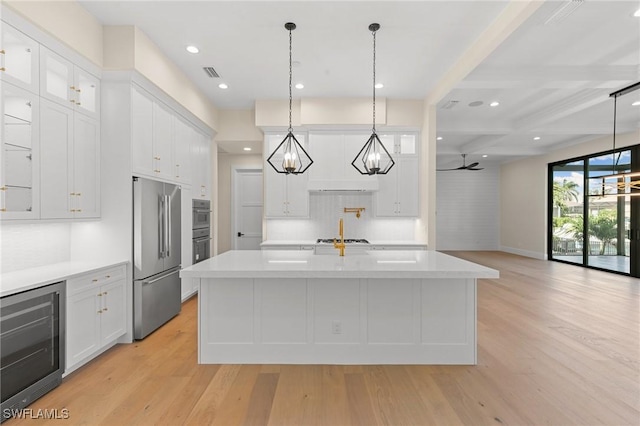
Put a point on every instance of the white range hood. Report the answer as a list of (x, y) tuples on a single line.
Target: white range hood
[(367, 184)]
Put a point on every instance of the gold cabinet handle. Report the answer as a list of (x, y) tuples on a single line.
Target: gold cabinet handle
[(78, 90), (105, 309), (72, 101), (3, 210), (3, 69), (2, 52), (95, 280), (78, 194), (78, 103), (156, 157), (107, 276), (72, 87), (157, 171), (100, 311), (105, 293), (3, 188), (72, 193)]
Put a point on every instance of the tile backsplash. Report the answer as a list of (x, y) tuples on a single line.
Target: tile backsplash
[(326, 209), (31, 245)]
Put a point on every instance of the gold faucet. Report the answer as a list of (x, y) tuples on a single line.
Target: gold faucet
[(340, 245)]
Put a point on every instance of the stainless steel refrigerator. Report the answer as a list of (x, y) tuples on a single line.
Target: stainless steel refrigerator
[(156, 254)]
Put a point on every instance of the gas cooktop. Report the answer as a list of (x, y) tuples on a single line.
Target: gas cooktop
[(346, 241)]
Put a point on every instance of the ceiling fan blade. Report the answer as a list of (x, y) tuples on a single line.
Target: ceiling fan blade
[(475, 168), (472, 165), (445, 170)]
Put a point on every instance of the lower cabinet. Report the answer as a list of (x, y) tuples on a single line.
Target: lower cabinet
[(96, 315)]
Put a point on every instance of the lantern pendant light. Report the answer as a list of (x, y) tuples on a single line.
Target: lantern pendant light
[(290, 157), (373, 158)]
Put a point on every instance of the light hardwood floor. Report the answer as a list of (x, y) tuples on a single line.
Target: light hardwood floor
[(558, 345)]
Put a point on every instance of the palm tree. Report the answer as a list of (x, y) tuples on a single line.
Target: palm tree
[(564, 192)]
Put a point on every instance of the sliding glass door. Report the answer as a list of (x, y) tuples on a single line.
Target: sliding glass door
[(590, 222)]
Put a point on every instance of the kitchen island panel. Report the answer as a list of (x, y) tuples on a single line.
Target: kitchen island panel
[(336, 321)]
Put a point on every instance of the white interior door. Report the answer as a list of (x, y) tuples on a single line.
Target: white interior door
[(247, 206)]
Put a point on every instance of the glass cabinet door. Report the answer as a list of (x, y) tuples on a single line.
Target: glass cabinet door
[(56, 78), (19, 187), (87, 97), (19, 59)]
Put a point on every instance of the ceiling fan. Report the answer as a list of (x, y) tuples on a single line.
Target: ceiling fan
[(464, 166)]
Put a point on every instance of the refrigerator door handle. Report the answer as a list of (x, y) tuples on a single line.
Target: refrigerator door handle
[(163, 276), (169, 225), (161, 227)]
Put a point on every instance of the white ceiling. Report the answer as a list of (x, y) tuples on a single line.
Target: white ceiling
[(552, 79)]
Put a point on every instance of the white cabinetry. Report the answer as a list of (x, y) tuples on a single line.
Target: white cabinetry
[(19, 59), (19, 154), (184, 136), (201, 161), (63, 82), (96, 314), (286, 195), (167, 147), (398, 194), (152, 131), (70, 165)]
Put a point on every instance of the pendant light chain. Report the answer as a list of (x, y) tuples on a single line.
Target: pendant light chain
[(374, 82), (290, 80)]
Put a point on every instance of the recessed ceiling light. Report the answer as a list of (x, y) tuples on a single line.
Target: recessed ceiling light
[(636, 103), (246, 148), (476, 103), (223, 86), (484, 155), (299, 86), (637, 14), (439, 138), (192, 49), (537, 138), (494, 104), (379, 86)]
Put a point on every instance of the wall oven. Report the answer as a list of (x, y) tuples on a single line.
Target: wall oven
[(201, 214), (201, 230), (32, 343)]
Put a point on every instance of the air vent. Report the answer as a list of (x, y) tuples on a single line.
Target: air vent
[(561, 13), (449, 105), (211, 72)]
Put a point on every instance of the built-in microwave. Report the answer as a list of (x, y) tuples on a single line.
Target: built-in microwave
[(201, 214)]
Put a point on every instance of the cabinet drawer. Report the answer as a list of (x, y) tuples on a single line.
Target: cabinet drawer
[(95, 278)]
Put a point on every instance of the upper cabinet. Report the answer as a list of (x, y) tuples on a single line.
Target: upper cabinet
[(285, 195), (50, 157), (19, 59), (200, 149), (399, 192), (166, 146), (70, 165), (63, 82), (19, 156)]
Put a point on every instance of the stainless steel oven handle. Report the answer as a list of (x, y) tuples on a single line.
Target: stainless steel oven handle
[(200, 240)]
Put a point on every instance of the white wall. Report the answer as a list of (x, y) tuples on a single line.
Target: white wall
[(523, 188), (468, 210), (25, 246)]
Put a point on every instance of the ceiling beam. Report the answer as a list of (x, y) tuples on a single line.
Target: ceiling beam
[(513, 15)]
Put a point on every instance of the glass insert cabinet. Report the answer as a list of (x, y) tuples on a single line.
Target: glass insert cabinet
[(19, 154)]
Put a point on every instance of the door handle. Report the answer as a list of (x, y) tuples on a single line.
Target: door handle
[(240, 234)]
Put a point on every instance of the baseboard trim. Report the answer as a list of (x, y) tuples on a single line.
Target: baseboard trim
[(525, 253)]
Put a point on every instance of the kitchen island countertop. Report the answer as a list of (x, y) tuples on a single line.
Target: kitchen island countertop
[(304, 264)]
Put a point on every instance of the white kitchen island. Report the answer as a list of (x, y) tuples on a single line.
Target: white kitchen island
[(296, 307)]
